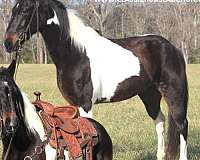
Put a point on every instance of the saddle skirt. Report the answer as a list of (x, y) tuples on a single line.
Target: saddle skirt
[(66, 130)]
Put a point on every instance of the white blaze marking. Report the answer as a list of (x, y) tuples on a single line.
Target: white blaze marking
[(110, 63), (160, 129), (183, 148), (54, 19), (5, 83)]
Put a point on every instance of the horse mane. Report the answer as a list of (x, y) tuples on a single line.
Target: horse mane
[(32, 120), (73, 27), (81, 34), (61, 12)]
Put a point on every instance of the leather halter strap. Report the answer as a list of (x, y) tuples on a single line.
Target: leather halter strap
[(22, 36)]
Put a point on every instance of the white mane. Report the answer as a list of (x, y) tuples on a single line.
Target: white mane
[(32, 119), (79, 32)]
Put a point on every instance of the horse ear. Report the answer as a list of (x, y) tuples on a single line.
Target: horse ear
[(11, 68)]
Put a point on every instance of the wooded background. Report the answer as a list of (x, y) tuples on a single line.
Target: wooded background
[(177, 22)]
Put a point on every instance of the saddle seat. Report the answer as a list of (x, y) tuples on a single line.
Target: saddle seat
[(66, 130)]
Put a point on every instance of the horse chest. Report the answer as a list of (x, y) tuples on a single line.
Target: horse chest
[(64, 86)]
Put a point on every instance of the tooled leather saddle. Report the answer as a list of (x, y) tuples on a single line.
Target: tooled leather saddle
[(66, 130)]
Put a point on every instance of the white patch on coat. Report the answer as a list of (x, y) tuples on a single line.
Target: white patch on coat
[(85, 114), (110, 63), (183, 148), (54, 19), (5, 83), (160, 129), (17, 5), (51, 153), (32, 119)]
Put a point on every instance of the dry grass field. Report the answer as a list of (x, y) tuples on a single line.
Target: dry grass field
[(132, 131)]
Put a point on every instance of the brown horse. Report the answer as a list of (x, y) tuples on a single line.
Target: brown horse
[(93, 69)]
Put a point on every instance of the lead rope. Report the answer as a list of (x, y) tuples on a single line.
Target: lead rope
[(23, 36), (17, 58), (9, 147)]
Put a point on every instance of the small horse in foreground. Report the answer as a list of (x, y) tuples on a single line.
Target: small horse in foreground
[(93, 69), (22, 131)]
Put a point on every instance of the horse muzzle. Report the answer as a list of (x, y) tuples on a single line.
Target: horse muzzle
[(9, 124), (12, 42)]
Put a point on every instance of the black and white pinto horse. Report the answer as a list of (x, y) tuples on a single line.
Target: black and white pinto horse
[(93, 69), (22, 130)]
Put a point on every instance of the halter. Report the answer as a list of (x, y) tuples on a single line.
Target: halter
[(9, 146), (23, 36), (4, 117), (38, 149), (11, 140), (12, 136)]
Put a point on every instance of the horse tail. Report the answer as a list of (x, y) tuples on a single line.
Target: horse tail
[(173, 131), (173, 138)]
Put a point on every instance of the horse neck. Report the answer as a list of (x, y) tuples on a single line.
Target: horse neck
[(57, 37), (62, 51)]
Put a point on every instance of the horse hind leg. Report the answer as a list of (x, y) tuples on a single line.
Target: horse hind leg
[(176, 96), (151, 99), (177, 133), (160, 129)]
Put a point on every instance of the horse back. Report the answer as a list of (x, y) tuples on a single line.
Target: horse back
[(155, 53), (103, 150)]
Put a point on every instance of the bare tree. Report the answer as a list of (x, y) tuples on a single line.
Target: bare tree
[(177, 22), (5, 11)]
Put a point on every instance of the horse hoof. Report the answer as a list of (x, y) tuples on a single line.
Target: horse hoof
[(161, 157)]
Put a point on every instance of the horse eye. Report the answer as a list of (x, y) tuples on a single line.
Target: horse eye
[(23, 13)]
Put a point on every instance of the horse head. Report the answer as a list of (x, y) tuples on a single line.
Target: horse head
[(11, 101), (28, 17)]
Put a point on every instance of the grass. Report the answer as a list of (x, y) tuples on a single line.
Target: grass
[(132, 131)]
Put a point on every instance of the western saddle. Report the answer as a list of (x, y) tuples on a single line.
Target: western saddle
[(66, 130)]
